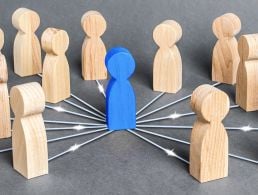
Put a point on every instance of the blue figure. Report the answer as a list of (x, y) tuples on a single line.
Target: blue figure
[(120, 98)]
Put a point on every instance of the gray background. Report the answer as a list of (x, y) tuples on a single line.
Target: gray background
[(121, 163)]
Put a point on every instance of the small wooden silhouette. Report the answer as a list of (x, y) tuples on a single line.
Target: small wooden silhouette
[(26, 48), (29, 140), (247, 75), (167, 67), (120, 98), (56, 74), (5, 122), (209, 140), (225, 58), (93, 48)]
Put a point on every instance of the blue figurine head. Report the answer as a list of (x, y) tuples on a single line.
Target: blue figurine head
[(120, 63)]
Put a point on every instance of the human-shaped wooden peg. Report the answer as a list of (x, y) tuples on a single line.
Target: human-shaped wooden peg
[(5, 121), (247, 74), (26, 48), (93, 48), (167, 66), (29, 140), (225, 58), (120, 98), (56, 74), (209, 140)]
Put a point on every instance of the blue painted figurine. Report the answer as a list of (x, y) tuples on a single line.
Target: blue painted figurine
[(120, 98)]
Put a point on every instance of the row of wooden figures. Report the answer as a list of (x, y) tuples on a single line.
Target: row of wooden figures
[(227, 66), (209, 140)]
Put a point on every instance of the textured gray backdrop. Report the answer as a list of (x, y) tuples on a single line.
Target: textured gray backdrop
[(121, 163)]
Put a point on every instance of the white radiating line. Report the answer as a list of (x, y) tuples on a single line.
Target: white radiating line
[(188, 143), (63, 138), (60, 109), (84, 109), (167, 151), (87, 104), (77, 146), (150, 103), (170, 104), (101, 88)]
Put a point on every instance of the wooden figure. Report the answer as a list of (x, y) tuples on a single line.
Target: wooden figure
[(120, 98), (167, 67), (56, 74), (225, 58), (29, 140), (5, 122), (93, 48), (247, 75), (26, 48), (209, 140)]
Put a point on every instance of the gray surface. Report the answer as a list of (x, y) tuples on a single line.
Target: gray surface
[(121, 163)]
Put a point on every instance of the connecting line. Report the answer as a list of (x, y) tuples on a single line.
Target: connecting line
[(166, 126), (87, 104), (170, 104), (167, 151), (77, 146), (188, 143), (150, 103), (73, 123), (76, 127), (63, 138), (101, 88), (84, 109), (60, 109)]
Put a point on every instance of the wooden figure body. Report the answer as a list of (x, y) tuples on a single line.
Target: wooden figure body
[(5, 121), (167, 66), (56, 74), (29, 140), (120, 98), (26, 48), (93, 48), (247, 79), (225, 58), (209, 140)]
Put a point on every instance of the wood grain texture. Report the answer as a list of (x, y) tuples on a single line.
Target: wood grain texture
[(56, 73), (93, 48), (5, 122), (26, 48), (167, 65), (209, 140), (29, 140), (225, 58), (247, 79)]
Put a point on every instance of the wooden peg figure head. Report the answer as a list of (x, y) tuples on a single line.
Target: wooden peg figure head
[(167, 33), (120, 63), (55, 41), (227, 25), (3, 66), (27, 99), (93, 24), (248, 47), (25, 20), (210, 103)]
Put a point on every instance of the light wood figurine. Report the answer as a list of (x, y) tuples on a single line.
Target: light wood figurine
[(225, 58), (247, 75), (93, 48), (56, 74), (29, 140), (209, 140), (5, 122), (26, 48), (167, 66)]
